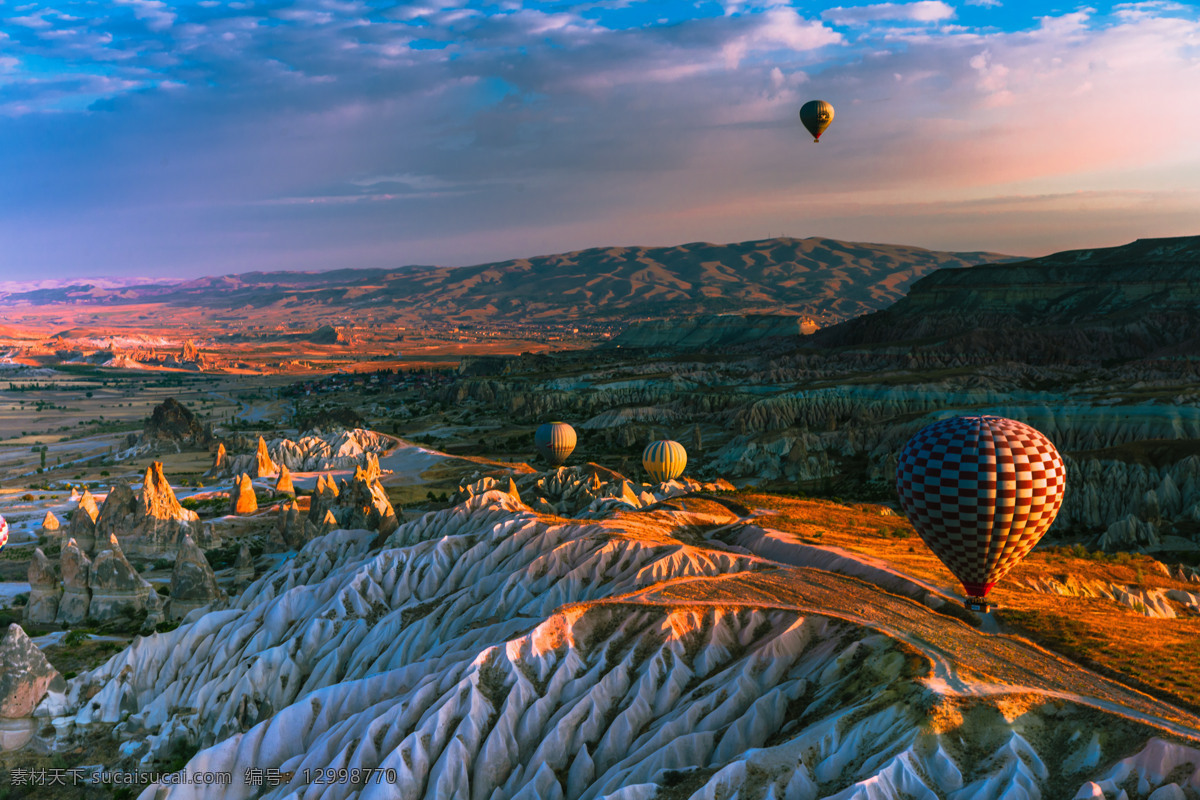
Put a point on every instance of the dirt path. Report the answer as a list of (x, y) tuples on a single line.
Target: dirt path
[(998, 663)]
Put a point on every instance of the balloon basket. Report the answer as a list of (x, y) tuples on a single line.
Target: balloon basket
[(978, 605)]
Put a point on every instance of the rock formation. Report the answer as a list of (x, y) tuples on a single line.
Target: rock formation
[(45, 590), (484, 651), (284, 484), (26, 676), (116, 513), (50, 522), (174, 423), (220, 462), (585, 490), (327, 523), (716, 330), (76, 597), (366, 505), (117, 590), (243, 568), (290, 527), (1075, 307), (150, 522), (263, 465), (310, 453), (324, 497), (83, 522), (242, 499), (193, 584)]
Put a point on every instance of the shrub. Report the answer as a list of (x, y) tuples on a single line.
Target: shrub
[(75, 638)]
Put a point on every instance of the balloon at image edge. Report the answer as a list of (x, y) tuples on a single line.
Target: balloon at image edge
[(555, 441), (664, 460), (981, 492), (816, 116), (3, 531)]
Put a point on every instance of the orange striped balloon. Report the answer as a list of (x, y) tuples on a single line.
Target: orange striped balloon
[(664, 460)]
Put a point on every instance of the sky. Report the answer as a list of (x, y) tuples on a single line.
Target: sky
[(169, 140)]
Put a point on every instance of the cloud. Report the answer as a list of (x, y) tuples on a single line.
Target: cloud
[(305, 134), (922, 11)]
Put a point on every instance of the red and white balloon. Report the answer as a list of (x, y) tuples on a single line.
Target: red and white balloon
[(981, 492)]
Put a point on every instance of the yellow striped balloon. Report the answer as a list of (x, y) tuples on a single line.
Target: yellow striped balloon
[(555, 441), (664, 460)]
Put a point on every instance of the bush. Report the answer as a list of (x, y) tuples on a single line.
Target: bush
[(75, 638)]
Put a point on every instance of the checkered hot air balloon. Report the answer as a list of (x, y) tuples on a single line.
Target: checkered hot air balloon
[(555, 441), (3, 532), (981, 492)]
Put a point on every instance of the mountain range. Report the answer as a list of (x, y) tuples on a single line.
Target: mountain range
[(826, 279)]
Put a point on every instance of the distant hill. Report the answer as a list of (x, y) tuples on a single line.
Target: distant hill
[(1134, 300), (825, 279)]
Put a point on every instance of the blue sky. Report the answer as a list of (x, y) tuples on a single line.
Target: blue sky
[(161, 139)]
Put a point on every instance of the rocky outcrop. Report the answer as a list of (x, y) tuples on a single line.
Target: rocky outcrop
[(76, 597), (220, 464), (117, 590), (330, 334), (149, 522), (1130, 533), (364, 505), (26, 676), (320, 527), (263, 465), (324, 497), (570, 659), (83, 522), (310, 453), (116, 514), (284, 484), (717, 330), (584, 491), (45, 590), (1075, 307), (243, 568), (1149, 602), (50, 522), (290, 526), (173, 422), (193, 584), (242, 499)]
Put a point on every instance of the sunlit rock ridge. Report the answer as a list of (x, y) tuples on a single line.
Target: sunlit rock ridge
[(1078, 306), (653, 644)]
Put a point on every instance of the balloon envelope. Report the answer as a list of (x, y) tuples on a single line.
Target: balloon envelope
[(555, 441), (664, 460), (981, 492), (3, 532), (816, 116)]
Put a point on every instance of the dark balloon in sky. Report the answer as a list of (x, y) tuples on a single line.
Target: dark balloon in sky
[(816, 116)]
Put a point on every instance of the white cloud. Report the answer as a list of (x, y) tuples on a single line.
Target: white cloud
[(779, 27), (922, 11)]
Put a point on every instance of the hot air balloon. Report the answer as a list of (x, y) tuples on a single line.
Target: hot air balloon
[(664, 460), (3, 532), (816, 116), (555, 441), (981, 492)]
